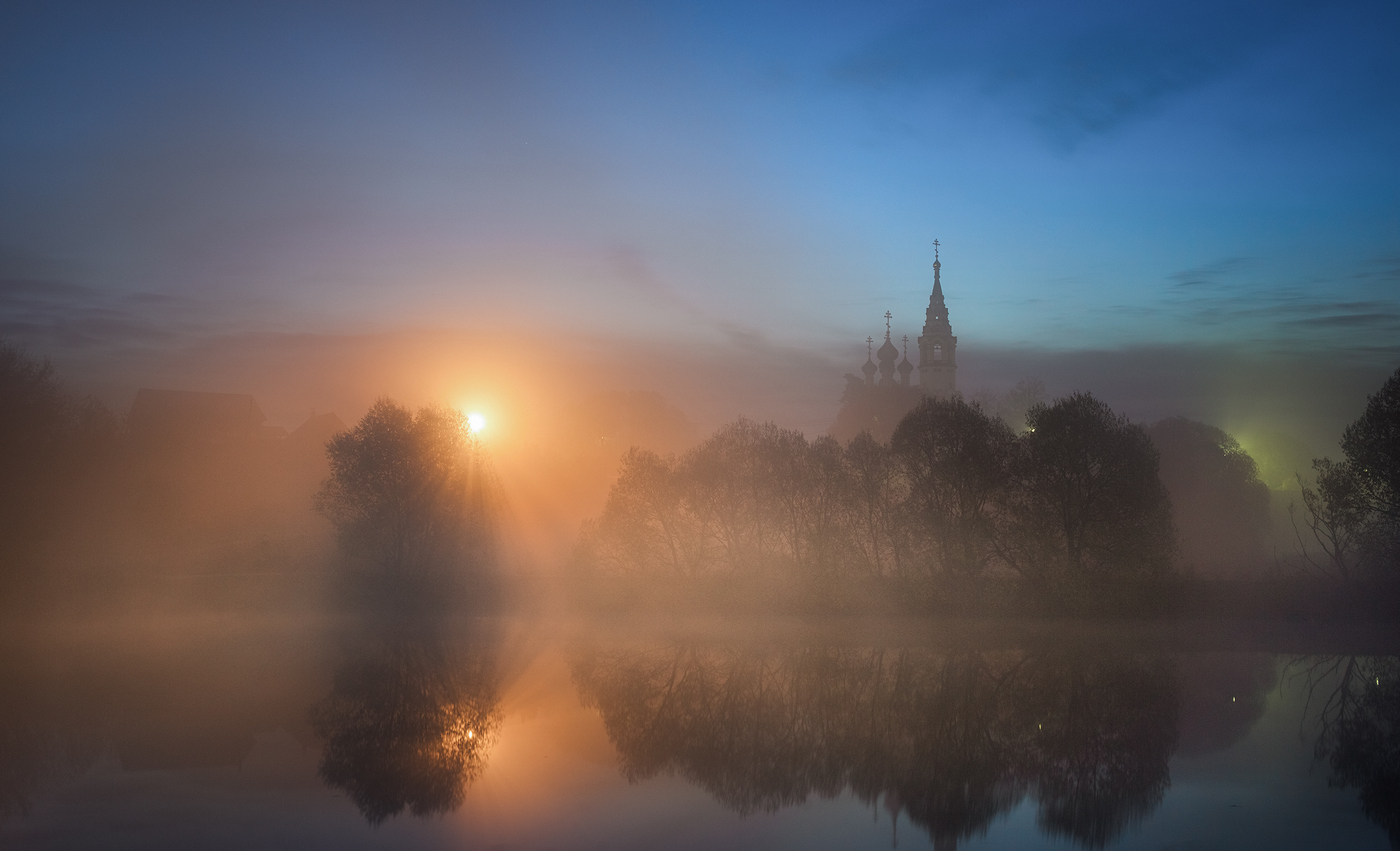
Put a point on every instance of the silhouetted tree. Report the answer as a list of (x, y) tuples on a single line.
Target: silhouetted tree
[(411, 497), (643, 522), (958, 462), (879, 507), (1372, 444), (1092, 523), (1338, 518), (1220, 505), (1352, 512)]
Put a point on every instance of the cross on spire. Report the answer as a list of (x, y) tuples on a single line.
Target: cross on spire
[(888, 317), (935, 251), (906, 346), (868, 342)]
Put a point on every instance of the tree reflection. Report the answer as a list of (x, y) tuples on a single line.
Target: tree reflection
[(410, 722), (952, 739), (1359, 731)]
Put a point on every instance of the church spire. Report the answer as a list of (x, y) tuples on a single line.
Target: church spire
[(937, 346), (937, 284)]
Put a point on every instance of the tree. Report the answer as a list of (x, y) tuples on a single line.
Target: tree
[(643, 523), (1372, 445), (1094, 520), (877, 510), (1220, 505), (1352, 513), (957, 460), (410, 497)]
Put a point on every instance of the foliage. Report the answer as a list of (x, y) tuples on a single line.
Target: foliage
[(958, 462), (948, 513), (1220, 504), (1352, 512), (754, 500), (1372, 445), (410, 496), (1090, 517)]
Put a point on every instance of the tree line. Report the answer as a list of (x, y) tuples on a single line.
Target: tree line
[(955, 508), (959, 511)]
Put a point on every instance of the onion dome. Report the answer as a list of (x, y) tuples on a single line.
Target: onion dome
[(887, 354), (869, 369), (905, 367)]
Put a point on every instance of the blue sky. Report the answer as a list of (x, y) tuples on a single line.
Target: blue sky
[(1101, 175)]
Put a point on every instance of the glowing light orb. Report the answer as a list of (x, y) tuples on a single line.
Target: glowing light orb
[(476, 422)]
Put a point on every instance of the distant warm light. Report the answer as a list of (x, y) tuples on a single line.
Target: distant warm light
[(471, 734), (476, 422)]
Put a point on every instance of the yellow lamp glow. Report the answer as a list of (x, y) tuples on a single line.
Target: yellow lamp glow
[(476, 422)]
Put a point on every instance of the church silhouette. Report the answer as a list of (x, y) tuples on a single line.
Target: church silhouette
[(877, 404)]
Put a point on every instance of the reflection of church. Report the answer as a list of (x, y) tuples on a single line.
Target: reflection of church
[(876, 404)]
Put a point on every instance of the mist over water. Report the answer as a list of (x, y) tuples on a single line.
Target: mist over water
[(468, 425)]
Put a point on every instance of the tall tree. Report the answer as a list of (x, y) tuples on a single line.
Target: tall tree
[(410, 497), (1220, 505), (957, 460), (1372, 444), (1092, 501), (1352, 511)]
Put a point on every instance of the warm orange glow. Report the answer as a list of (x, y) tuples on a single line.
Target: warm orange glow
[(476, 422)]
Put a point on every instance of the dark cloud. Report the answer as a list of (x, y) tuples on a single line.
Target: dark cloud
[(1300, 315), (1077, 68)]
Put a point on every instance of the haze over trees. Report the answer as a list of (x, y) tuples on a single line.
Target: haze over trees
[(410, 496), (51, 448), (1221, 506), (956, 511)]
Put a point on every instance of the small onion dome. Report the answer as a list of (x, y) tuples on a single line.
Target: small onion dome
[(869, 368), (905, 367)]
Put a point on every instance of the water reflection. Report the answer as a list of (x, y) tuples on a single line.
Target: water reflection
[(410, 720), (1359, 730), (174, 728), (951, 739), (42, 740)]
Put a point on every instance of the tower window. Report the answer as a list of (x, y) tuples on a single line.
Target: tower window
[(937, 352)]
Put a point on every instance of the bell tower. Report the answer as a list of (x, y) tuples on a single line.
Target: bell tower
[(938, 361)]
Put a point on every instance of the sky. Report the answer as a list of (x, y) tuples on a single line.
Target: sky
[(1186, 207)]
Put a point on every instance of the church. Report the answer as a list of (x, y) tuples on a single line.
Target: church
[(877, 403)]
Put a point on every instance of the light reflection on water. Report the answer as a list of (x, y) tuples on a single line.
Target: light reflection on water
[(476, 734)]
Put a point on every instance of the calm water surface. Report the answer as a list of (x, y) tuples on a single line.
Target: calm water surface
[(282, 734)]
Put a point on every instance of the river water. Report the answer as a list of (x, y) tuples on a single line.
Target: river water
[(228, 732)]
